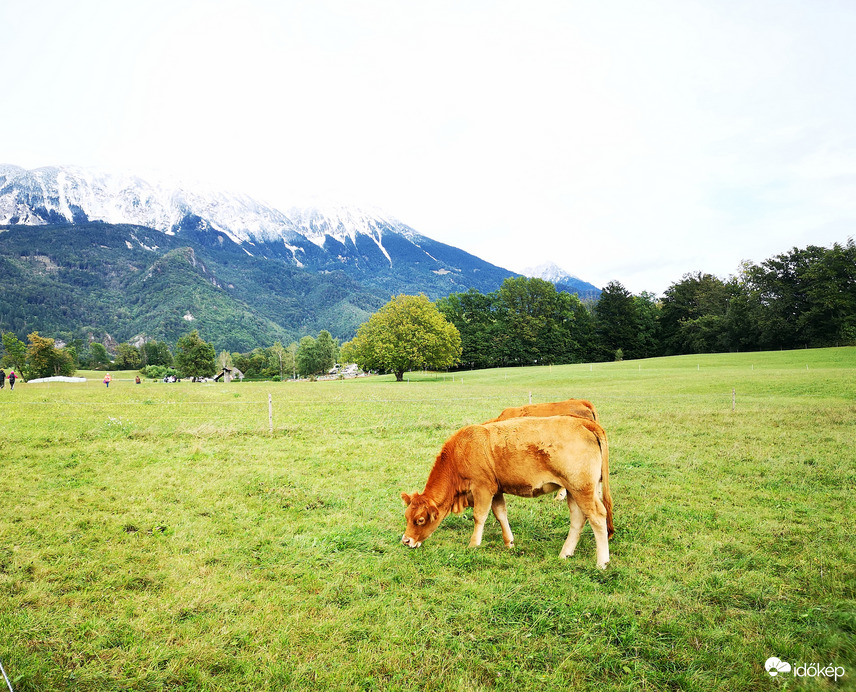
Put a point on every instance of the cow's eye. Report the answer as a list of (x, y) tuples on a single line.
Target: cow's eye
[(420, 521)]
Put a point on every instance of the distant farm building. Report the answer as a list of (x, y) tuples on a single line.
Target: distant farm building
[(229, 374)]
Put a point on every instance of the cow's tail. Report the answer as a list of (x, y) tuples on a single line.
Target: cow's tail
[(591, 408), (602, 442)]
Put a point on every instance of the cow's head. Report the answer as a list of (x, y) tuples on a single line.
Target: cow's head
[(422, 517)]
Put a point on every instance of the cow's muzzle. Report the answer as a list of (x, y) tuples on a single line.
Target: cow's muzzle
[(409, 542)]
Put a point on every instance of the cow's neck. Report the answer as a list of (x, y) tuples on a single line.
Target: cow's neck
[(444, 483)]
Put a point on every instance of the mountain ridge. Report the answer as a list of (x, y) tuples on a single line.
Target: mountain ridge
[(346, 238), (171, 252)]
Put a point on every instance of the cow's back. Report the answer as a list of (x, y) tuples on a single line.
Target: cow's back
[(532, 453), (570, 407)]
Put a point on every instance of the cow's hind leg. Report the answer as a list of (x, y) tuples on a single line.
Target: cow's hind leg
[(501, 514), (578, 520), (588, 506)]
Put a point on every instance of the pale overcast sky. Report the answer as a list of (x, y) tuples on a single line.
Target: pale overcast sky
[(620, 139)]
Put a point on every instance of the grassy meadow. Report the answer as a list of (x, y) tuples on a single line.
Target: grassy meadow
[(160, 537)]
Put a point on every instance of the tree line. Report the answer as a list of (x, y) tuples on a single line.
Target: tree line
[(192, 356), (803, 298)]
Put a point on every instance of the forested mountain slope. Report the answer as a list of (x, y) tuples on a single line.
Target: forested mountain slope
[(95, 279)]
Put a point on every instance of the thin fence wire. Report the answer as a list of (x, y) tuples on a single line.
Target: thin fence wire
[(512, 400), (199, 417)]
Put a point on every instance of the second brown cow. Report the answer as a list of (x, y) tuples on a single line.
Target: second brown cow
[(581, 408)]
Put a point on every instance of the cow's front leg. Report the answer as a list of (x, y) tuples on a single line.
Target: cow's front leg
[(501, 514), (481, 508)]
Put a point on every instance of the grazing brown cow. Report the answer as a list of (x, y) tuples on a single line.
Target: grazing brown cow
[(570, 407), (522, 456), (581, 408)]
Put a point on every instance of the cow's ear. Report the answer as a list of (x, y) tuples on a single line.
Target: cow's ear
[(433, 512), (406, 499)]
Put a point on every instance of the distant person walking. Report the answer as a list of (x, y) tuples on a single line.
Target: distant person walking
[(2, 378), (12, 378), (107, 380)]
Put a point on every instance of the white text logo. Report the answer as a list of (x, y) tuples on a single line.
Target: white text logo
[(775, 666)]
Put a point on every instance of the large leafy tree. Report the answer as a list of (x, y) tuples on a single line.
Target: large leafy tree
[(693, 318), (158, 353), (476, 317), (527, 310), (224, 360), (278, 354), (539, 324), (291, 359), (98, 356), (526, 321), (570, 339), (128, 357), (328, 350), (309, 357), (618, 325), (195, 357), (407, 333), (256, 363), (831, 289), (806, 297), (45, 360), (648, 319), (16, 351)]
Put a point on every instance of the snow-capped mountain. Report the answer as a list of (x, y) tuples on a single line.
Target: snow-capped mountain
[(563, 280), (550, 272), (70, 195), (75, 243), (372, 246)]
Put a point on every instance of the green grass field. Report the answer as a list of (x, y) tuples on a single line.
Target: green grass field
[(160, 537)]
